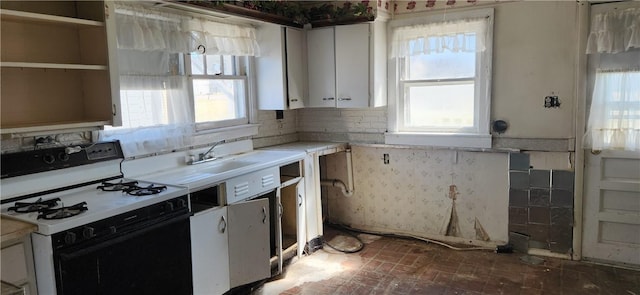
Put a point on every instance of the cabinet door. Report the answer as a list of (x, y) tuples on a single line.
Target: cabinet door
[(321, 67), (352, 66), (114, 74), (210, 252), (296, 74), (301, 216), (270, 68), (249, 242)]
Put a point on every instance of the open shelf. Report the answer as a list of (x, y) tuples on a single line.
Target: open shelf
[(22, 16), (40, 65)]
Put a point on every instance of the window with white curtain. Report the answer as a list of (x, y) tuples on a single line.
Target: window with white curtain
[(614, 51), (442, 80), (178, 75), (614, 117)]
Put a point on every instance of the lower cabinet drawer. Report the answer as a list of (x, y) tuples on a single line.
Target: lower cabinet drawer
[(252, 184)]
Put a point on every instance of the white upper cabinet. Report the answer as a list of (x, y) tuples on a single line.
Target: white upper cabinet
[(321, 67), (281, 68), (347, 66), (56, 72)]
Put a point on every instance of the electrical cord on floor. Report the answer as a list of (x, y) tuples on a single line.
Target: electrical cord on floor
[(405, 236), (345, 230)]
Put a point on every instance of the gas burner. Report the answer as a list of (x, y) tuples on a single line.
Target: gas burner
[(117, 186), (63, 212), (152, 189), (26, 207)]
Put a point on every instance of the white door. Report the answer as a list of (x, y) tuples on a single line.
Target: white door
[(611, 211), (209, 250), (249, 249), (612, 207), (352, 66), (321, 67)]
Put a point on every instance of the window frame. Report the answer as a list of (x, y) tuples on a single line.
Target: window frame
[(242, 68), (477, 137)]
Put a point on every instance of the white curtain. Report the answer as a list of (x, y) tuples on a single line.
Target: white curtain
[(465, 35), (615, 31), (148, 30), (614, 118), (157, 112)]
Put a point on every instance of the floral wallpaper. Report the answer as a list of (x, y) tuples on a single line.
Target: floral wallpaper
[(415, 193), (401, 7)]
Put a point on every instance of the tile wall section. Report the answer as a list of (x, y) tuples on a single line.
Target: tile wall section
[(343, 125), (274, 131), (541, 204)]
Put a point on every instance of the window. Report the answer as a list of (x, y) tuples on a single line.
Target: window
[(218, 88), (170, 89), (441, 83), (614, 117)]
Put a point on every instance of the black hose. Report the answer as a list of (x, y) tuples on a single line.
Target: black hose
[(347, 231)]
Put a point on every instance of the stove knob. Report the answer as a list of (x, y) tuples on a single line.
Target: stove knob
[(88, 232), (48, 158), (168, 206), (62, 156), (112, 229), (70, 238), (182, 203)]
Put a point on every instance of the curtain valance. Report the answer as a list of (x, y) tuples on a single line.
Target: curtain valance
[(615, 31), (140, 28), (465, 35)]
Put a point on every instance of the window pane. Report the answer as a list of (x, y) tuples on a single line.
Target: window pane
[(445, 65), (218, 100), (214, 64), (229, 65), (440, 106), (197, 64)]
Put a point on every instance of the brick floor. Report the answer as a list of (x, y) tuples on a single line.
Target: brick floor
[(399, 266)]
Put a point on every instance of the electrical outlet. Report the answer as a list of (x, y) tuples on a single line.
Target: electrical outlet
[(385, 158), (551, 101)]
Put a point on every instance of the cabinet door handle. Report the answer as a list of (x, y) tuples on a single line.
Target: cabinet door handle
[(223, 222), (293, 99), (344, 98), (328, 98), (264, 215), (300, 198), (280, 209)]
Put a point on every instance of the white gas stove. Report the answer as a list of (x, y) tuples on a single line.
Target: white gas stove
[(86, 212)]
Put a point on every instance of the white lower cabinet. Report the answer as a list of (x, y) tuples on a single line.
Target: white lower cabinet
[(249, 248), (210, 251)]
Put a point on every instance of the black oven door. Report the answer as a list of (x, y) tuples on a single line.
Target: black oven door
[(155, 259)]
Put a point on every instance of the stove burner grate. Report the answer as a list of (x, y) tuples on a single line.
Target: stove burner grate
[(117, 186), (152, 189), (132, 188), (63, 212), (27, 207)]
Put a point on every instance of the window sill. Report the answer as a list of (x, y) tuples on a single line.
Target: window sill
[(457, 140)]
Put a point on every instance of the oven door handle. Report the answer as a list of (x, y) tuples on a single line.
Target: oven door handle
[(223, 222), (126, 234), (264, 215)]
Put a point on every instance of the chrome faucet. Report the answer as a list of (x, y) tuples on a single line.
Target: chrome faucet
[(202, 157)]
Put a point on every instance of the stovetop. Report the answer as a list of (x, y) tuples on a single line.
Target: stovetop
[(75, 175), (100, 204)]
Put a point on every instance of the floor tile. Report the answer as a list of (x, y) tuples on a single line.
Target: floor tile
[(399, 266)]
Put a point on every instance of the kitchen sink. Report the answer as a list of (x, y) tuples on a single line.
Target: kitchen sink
[(225, 166)]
